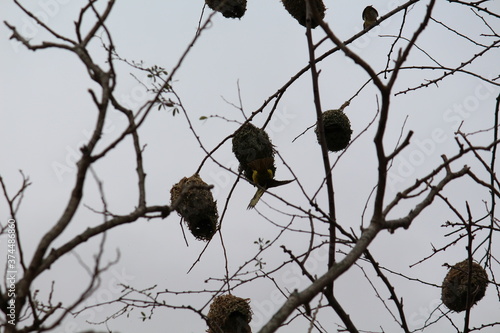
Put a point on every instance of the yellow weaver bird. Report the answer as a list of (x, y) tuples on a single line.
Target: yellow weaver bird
[(370, 15), (263, 177)]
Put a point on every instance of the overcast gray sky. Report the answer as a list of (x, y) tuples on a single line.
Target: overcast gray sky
[(47, 114)]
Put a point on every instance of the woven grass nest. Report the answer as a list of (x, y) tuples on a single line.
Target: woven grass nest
[(228, 8), (297, 8), (250, 144), (197, 207), (454, 288), (229, 314), (337, 130)]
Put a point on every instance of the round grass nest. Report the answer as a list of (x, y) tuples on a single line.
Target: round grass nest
[(297, 8), (228, 8), (197, 206), (229, 314), (454, 288), (337, 130), (250, 144)]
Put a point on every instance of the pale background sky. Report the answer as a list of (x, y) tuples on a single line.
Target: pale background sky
[(46, 115)]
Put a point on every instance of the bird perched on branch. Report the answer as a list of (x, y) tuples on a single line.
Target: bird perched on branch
[(255, 152), (370, 16)]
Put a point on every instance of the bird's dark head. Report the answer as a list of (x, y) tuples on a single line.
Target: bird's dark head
[(262, 171)]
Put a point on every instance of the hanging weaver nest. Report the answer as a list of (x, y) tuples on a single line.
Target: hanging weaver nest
[(229, 314), (297, 8), (337, 130), (228, 8), (454, 288), (250, 144), (197, 206)]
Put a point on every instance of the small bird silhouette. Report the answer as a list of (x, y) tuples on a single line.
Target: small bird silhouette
[(263, 178), (370, 15)]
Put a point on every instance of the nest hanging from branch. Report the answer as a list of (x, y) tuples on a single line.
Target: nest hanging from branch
[(255, 152), (337, 130), (454, 289), (228, 8), (251, 144), (197, 206), (229, 314), (297, 8)]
